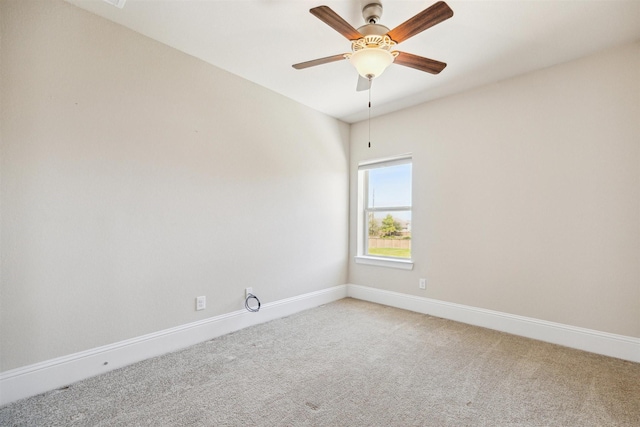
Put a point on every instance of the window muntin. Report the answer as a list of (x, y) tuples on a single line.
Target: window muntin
[(385, 215)]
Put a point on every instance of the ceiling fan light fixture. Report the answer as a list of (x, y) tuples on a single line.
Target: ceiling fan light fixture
[(371, 62)]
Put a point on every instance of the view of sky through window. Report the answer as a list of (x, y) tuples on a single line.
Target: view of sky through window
[(390, 186)]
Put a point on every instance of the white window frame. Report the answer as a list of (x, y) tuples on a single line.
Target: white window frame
[(362, 256)]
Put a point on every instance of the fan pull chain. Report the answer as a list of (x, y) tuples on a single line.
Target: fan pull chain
[(369, 112)]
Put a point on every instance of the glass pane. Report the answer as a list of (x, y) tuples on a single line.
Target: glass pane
[(389, 234), (390, 186)]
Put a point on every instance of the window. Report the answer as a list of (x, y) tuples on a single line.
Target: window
[(384, 212)]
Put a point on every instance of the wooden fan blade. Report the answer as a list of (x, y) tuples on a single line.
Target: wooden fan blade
[(318, 61), (419, 63), (332, 19), (363, 84), (429, 17)]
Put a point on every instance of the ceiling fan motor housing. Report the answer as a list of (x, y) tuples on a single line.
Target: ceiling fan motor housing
[(373, 30)]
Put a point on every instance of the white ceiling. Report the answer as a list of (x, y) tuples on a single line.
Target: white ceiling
[(484, 42)]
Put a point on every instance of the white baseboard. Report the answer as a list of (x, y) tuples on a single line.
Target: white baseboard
[(49, 375), (619, 346)]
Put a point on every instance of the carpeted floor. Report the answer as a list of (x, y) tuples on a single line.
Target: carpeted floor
[(352, 363)]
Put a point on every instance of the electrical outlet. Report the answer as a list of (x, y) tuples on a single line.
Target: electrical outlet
[(201, 303), (423, 284), (247, 291)]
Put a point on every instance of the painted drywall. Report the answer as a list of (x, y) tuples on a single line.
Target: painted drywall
[(135, 178), (526, 194)]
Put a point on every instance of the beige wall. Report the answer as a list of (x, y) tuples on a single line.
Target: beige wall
[(526, 194), (135, 178)]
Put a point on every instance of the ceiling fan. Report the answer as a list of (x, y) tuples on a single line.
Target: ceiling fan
[(371, 44)]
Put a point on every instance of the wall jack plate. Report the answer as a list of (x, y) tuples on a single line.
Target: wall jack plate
[(247, 291), (423, 284), (201, 303)]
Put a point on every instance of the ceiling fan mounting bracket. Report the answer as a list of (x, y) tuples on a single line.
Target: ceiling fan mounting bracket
[(372, 13)]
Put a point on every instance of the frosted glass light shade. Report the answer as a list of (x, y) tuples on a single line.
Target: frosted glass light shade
[(371, 62)]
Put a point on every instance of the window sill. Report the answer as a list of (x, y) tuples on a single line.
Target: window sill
[(402, 264)]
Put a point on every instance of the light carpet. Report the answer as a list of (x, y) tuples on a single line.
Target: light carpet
[(352, 363)]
